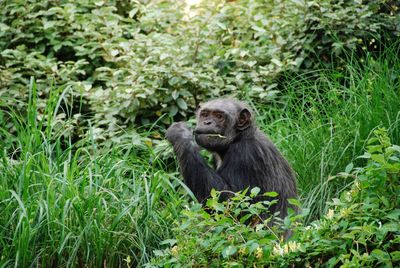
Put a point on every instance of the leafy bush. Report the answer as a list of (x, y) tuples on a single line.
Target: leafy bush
[(361, 229), (131, 60)]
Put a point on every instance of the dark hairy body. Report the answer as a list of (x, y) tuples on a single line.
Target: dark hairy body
[(245, 158)]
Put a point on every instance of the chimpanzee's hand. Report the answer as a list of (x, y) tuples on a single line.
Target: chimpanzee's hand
[(177, 132)]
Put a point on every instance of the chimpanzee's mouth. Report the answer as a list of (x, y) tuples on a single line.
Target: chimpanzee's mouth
[(208, 133), (212, 135), (200, 134)]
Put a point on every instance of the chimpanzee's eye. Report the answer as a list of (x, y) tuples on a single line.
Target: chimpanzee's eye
[(219, 116)]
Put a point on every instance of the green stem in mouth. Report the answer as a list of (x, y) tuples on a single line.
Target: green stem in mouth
[(216, 135)]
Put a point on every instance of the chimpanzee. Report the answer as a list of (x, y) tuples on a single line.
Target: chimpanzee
[(244, 157)]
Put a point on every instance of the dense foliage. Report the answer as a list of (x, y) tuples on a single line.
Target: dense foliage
[(361, 228), (132, 59)]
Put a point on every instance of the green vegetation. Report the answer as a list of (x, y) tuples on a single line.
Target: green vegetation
[(326, 118), (132, 61), (74, 204), (361, 228), (87, 88)]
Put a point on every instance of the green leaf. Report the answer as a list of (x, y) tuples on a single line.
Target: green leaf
[(305, 211), (159, 253), (175, 94), (287, 221), (181, 104), (332, 261), (395, 256), (258, 29), (255, 191), (133, 12), (277, 62), (395, 215), (213, 193), (380, 255), (378, 158), (173, 110), (349, 168), (365, 156), (390, 227), (372, 140), (374, 148), (228, 251), (173, 81), (170, 242), (348, 236), (221, 25), (271, 194), (294, 202), (395, 148), (299, 2), (48, 24)]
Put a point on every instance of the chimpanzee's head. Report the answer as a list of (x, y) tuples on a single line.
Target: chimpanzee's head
[(220, 121)]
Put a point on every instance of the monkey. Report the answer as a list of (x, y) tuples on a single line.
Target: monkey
[(244, 156)]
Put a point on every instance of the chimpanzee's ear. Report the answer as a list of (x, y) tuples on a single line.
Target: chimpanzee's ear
[(244, 119)]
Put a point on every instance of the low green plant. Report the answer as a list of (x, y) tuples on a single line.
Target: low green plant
[(361, 228), (235, 229), (65, 203)]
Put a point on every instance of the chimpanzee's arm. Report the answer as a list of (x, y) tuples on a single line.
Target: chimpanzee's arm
[(198, 176)]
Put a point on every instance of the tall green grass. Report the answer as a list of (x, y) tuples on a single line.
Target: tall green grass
[(64, 204), (327, 116)]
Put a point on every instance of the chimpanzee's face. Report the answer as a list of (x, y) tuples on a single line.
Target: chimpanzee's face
[(211, 130), (216, 124), (211, 122)]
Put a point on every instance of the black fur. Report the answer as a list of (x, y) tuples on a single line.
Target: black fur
[(247, 157)]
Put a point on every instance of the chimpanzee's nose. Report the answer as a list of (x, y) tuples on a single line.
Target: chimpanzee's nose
[(207, 122)]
